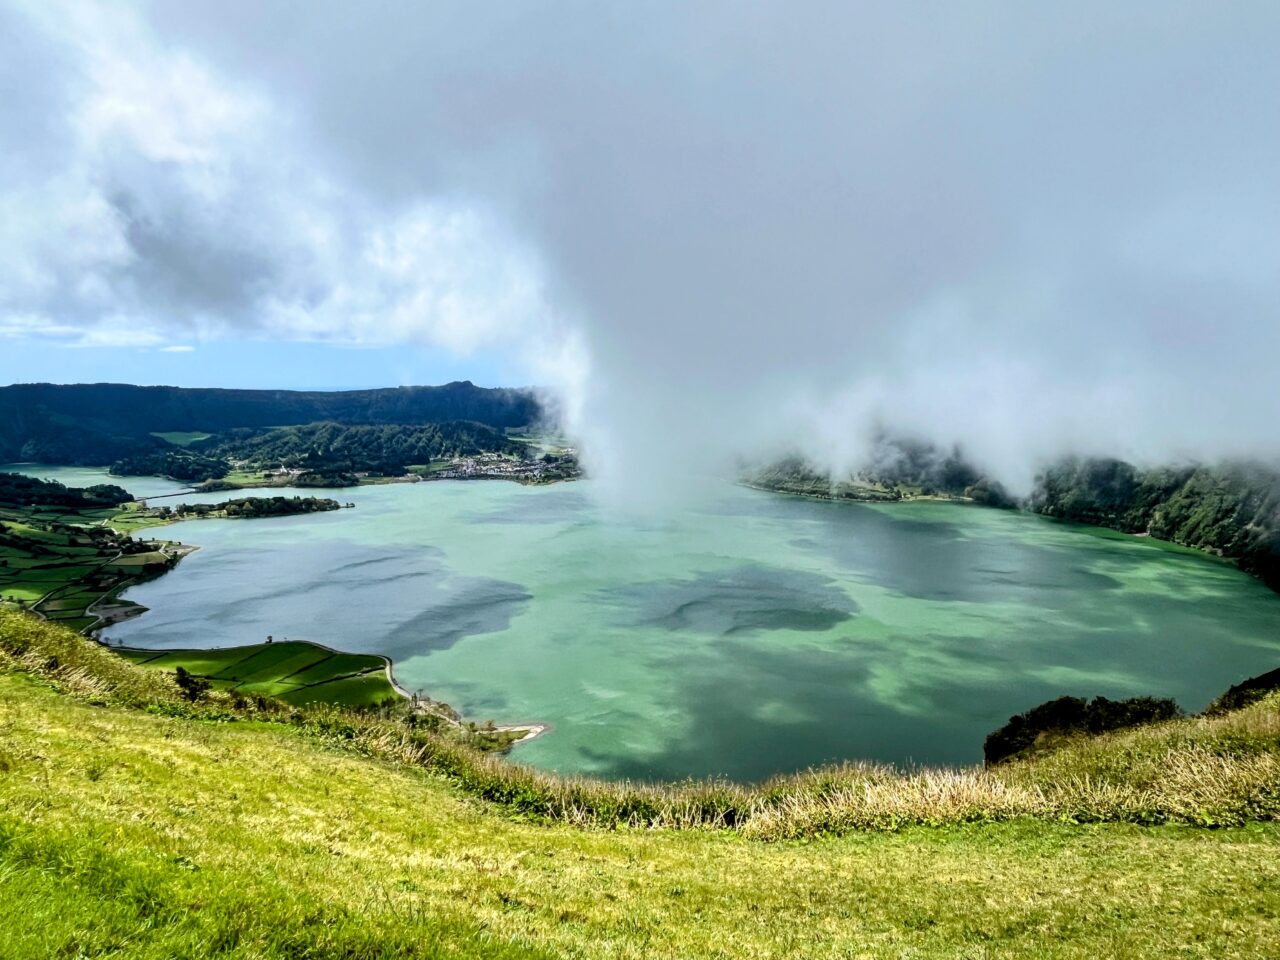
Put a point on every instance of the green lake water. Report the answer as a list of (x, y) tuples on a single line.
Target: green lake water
[(753, 634), (89, 476)]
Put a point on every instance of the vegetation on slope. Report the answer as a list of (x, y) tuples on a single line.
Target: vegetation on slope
[(1215, 771), (1232, 510), (146, 833), (18, 490), (900, 469), (792, 475), (176, 464), (292, 671), (337, 448), (1044, 726), (317, 454), (97, 424), (1246, 692), (247, 508)]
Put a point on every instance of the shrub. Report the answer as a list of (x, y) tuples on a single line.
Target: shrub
[(1245, 692), (1070, 715), (193, 688)]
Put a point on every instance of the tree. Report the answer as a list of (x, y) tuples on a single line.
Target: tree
[(193, 688)]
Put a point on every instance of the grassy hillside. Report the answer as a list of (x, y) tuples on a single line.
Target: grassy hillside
[(292, 671), (61, 562), (170, 832)]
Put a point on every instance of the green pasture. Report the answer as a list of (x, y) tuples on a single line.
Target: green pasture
[(131, 519), (153, 834), (294, 671), (50, 561), (435, 466), (249, 478), (182, 438), (134, 561)]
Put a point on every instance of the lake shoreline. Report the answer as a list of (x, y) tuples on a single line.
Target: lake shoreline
[(128, 611), (568, 611), (970, 501)]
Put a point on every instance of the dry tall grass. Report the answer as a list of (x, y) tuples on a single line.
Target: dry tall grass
[(1209, 771)]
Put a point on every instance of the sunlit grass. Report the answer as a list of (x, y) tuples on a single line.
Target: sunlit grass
[(1219, 771), (128, 834)]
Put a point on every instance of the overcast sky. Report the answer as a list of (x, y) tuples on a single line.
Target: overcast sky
[(711, 228)]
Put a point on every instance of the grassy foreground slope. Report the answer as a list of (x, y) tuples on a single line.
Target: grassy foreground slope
[(154, 833)]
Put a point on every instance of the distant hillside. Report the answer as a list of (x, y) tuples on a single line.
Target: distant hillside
[(329, 447), (97, 424), (901, 469), (1230, 509)]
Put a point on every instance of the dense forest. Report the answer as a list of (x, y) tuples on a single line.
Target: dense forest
[(99, 424), (178, 464), (329, 448), (22, 491), (250, 507)]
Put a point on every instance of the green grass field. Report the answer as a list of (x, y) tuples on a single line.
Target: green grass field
[(249, 478), (182, 438), (130, 519), (142, 834), (50, 561), (293, 671)]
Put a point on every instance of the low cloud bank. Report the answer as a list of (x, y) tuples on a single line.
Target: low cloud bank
[(715, 232)]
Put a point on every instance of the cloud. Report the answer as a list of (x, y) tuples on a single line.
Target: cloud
[(715, 229), (178, 348), (164, 198)]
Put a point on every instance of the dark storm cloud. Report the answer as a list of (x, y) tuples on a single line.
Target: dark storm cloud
[(1028, 228)]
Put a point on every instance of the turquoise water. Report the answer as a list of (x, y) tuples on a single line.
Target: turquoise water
[(750, 635), (88, 476)]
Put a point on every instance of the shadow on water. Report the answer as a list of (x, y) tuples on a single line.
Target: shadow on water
[(936, 561), (742, 599), (397, 601), (465, 607), (760, 635), (751, 711)]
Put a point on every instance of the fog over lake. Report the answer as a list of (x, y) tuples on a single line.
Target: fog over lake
[(749, 635)]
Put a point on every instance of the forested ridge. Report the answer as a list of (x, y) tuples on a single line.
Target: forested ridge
[(377, 448), (1230, 509), (171, 462), (99, 424), (23, 491)]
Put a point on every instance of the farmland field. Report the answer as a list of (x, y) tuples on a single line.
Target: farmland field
[(60, 563), (293, 671)]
